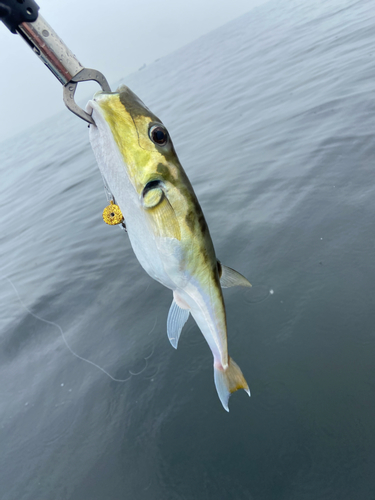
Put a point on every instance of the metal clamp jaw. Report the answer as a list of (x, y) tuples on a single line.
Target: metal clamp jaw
[(61, 61), (84, 75), (47, 45)]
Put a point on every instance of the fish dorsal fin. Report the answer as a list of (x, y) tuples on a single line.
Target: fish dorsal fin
[(177, 317), (229, 277)]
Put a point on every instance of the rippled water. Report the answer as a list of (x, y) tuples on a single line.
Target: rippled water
[(272, 116)]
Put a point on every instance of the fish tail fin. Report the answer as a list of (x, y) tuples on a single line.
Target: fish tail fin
[(229, 380)]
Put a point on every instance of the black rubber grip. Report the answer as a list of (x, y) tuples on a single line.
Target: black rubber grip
[(15, 12)]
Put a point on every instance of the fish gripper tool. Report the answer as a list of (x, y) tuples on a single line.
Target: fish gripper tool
[(22, 17)]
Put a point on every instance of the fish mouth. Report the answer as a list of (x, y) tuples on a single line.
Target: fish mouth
[(89, 108), (93, 106)]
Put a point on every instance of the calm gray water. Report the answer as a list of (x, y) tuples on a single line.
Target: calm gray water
[(272, 116)]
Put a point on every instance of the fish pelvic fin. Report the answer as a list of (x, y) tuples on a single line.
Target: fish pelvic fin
[(228, 381), (229, 277), (177, 318)]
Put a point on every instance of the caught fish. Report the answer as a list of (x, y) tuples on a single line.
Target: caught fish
[(165, 223)]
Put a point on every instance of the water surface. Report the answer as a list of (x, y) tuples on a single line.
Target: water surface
[(272, 116)]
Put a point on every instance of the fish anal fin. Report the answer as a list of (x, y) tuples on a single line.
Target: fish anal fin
[(229, 277), (228, 381), (177, 318)]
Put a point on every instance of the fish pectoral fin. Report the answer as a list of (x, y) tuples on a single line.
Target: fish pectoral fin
[(228, 381), (162, 215), (177, 317), (229, 277)]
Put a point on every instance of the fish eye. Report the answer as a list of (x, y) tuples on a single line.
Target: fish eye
[(158, 135)]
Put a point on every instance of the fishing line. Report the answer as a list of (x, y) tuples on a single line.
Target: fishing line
[(66, 342)]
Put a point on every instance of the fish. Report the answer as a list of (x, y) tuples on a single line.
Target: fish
[(165, 223)]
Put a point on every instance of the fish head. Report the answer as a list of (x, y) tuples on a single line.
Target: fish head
[(137, 159), (143, 141)]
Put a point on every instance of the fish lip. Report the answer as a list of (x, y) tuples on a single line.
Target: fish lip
[(93, 108), (89, 108), (92, 104)]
